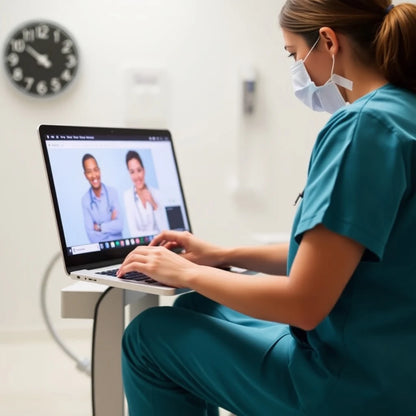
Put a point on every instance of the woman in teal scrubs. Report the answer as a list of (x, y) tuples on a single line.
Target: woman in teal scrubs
[(328, 326)]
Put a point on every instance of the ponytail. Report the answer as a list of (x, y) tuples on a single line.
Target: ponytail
[(395, 46)]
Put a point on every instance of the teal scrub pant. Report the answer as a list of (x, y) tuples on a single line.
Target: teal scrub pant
[(190, 359)]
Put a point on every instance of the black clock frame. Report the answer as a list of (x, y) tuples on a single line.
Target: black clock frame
[(41, 58)]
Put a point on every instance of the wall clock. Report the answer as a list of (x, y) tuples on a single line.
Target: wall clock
[(41, 58)]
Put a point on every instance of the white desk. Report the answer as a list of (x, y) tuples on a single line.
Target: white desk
[(107, 307)]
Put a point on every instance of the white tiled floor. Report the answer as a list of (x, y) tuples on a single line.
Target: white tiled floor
[(38, 379)]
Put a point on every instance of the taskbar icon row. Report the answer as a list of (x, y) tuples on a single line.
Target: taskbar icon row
[(125, 242), (109, 245)]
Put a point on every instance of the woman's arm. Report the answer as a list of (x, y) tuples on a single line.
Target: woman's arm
[(159, 212), (322, 268), (270, 259)]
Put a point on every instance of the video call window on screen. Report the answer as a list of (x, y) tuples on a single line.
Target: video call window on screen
[(121, 193)]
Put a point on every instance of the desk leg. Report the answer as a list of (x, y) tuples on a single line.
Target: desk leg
[(138, 302), (107, 385)]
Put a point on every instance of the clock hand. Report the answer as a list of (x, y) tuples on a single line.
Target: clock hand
[(41, 59)]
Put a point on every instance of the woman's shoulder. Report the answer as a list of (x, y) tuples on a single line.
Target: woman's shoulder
[(389, 104), (387, 111), (379, 122)]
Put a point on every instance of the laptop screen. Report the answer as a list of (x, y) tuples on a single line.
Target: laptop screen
[(113, 189)]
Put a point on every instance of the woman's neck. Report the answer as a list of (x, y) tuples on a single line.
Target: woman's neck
[(364, 84), (366, 76), (141, 190)]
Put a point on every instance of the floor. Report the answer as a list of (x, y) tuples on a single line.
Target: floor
[(38, 378)]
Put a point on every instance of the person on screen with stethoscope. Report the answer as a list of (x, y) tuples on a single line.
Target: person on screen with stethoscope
[(100, 206)]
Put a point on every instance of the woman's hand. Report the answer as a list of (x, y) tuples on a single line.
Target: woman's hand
[(166, 266), (160, 264), (190, 247), (146, 197)]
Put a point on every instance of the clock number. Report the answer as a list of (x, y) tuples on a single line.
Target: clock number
[(55, 85), (42, 32), (28, 35), (41, 88), (71, 61), (13, 59), (56, 36), (17, 74), (29, 82), (66, 75), (67, 46), (18, 45)]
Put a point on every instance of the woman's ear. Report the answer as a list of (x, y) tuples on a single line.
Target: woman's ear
[(329, 40)]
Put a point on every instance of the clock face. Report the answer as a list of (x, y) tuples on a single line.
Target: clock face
[(41, 59)]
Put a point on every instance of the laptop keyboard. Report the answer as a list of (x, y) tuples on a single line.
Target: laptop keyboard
[(132, 276)]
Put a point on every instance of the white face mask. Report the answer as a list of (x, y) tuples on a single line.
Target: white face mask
[(326, 97)]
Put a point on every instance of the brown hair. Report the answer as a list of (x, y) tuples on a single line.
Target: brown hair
[(132, 154), (383, 35)]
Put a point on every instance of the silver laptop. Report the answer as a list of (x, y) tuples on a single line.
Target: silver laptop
[(113, 189)]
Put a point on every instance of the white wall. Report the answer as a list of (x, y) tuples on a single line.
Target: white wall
[(202, 45)]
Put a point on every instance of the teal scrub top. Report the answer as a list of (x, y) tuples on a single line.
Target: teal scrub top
[(361, 359)]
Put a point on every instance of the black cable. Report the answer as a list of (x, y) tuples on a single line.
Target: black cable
[(97, 305)]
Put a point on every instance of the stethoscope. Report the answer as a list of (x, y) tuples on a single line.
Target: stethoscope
[(93, 198), (136, 196), (300, 196)]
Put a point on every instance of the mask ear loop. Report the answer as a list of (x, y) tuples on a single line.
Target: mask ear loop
[(333, 66), (310, 51), (337, 79), (332, 70)]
